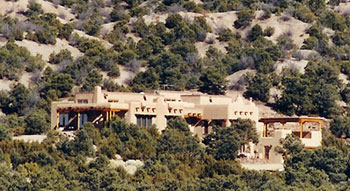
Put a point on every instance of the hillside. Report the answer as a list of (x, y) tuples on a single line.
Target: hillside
[(290, 56)]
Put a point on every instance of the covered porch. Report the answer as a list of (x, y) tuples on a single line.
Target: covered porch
[(298, 131), (73, 118)]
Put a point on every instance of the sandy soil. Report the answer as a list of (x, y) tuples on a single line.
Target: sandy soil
[(62, 12), (5, 84), (30, 138), (276, 166), (134, 37), (344, 78), (215, 20), (104, 42), (129, 165), (291, 64), (265, 111), (197, 1), (26, 78), (235, 77), (294, 27), (343, 8), (125, 75), (274, 94), (202, 47), (3, 41), (12, 9), (107, 28), (46, 50)]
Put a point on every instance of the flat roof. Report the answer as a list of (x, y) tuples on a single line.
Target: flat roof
[(291, 119)]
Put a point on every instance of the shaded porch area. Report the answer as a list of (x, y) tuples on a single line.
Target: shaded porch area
[(73, 118), (312, 124)]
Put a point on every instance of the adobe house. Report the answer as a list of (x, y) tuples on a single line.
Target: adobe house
[(308, 129), (201, 111)]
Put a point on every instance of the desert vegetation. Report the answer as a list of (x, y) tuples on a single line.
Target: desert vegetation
[(139, 45)]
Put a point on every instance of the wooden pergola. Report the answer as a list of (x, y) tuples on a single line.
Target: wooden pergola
[(109, 112), (284, 120)]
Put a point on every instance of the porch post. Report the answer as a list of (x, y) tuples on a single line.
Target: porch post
[(78, 121), (320, 125), (57, 120)]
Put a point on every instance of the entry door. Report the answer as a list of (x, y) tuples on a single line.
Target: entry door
[(267, 152)]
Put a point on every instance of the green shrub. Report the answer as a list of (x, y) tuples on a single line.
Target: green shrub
[(15, 59), (18, 34), (140, 27), (35, 64), (310, 43), (4, 134), (255, 33), (244, 19), (317, 5), (303, 13), (37, 123), (114, 71), (259, 87), (93, 25), (170, 2), (65, 31), (126, 56), (94, 78), (191, 6), (225, 35), (138, 11), (118, 15), (148, 80), (269, 31), (63, 55), (285, 42), (45, 37), (332, 20), (213, 81), (34, 9), (174, 20)]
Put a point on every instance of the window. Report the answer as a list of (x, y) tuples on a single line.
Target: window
[(83, 119), (64, 119), (81, 101), (139, 121), (144, 121), (149, 122)]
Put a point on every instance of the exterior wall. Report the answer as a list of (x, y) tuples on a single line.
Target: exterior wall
[(312, 142), (163, 105), (54, 115), (273, 142), (200, 110)]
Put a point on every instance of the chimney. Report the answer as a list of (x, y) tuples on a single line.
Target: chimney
[(98, 96)]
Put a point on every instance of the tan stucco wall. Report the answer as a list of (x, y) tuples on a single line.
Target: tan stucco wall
[(165, 103), (274, 157)]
